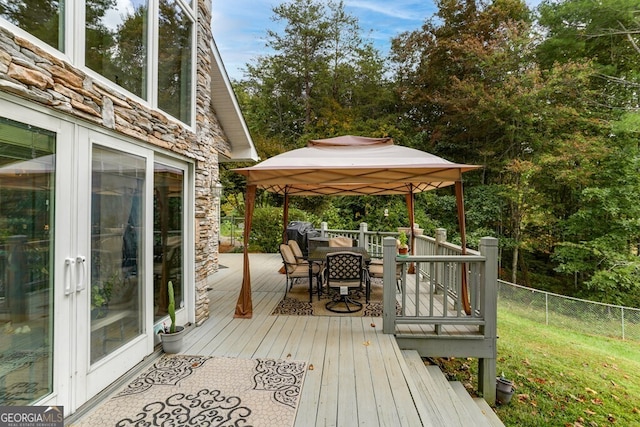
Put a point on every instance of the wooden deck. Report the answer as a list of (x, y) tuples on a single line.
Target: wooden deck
[(360, 376)]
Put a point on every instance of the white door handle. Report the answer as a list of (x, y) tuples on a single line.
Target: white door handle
[(81, 264), (69, 276)]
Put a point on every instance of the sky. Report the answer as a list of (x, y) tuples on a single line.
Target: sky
[(240, 26)]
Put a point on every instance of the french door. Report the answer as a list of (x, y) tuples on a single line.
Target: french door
[(91, 228), (112, 321)]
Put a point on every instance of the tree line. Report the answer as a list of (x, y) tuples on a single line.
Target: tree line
[(545, 100)]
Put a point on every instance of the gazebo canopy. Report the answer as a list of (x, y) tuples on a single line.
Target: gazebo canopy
[(343, 166), (353, 165)]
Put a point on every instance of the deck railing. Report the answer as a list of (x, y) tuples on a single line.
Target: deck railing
[(443, 276), (432, 303)]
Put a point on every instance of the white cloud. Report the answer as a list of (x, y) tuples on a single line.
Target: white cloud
[(409, 11)]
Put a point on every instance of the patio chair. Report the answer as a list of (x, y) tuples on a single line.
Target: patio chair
[(376, 270), (301, 259), (297, 252), (345, 272), (294, 269), (341, 242)]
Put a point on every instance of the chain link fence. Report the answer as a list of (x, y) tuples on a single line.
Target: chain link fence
[(572, 313)]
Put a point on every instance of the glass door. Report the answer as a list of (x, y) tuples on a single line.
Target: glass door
[(27, 184), (117, 233), (92, 227), (117, 195)]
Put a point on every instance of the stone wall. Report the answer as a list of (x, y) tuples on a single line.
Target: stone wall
[(32, 73)]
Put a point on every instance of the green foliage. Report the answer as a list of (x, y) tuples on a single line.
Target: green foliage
[(403, 239), (171, 308), (561, 377)]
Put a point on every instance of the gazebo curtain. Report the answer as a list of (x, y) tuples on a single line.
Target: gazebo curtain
[(244, 306)]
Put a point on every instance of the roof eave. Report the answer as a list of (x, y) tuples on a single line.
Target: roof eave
[(225, 104)]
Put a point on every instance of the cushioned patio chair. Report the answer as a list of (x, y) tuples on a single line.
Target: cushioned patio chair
[(376, 270), (341, 242), (294, 269), (297, 252), (345, 272)]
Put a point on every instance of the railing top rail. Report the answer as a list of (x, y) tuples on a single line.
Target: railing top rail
[(441, 258), (380, 233)]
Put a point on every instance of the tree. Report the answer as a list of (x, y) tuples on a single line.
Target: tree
[(319, 80), (606, 33)]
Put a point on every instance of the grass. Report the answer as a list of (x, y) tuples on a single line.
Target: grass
[(562, 378)]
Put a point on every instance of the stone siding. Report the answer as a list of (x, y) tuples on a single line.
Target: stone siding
[(32, 73)]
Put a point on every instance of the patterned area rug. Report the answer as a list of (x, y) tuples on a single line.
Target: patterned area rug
[(202, 391), (296, 302)]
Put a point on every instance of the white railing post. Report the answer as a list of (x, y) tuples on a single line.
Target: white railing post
[(389, 253), (324, 227), (362, 239), (489, 294), (441, 237)]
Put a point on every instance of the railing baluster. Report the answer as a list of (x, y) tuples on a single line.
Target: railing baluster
[(432, 286)]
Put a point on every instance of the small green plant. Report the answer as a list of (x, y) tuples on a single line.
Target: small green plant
[(403, 239), (171, 308)]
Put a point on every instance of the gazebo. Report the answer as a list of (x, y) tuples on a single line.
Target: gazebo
[(346, 166)]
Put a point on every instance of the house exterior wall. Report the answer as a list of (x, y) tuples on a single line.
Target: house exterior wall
[(30, 72)]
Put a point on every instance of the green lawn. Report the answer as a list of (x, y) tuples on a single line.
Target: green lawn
[(563, 378)]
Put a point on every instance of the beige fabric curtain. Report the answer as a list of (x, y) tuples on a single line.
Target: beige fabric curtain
[(463, 243), (244, 306)]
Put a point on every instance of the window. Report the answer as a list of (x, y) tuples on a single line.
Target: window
[(174, 60), (168, 230), (42, 18), (125, 41), (116, 42), (117, 229)]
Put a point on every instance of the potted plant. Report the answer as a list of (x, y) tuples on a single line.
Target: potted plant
[(504, 389), (403, 246), (171, 337)]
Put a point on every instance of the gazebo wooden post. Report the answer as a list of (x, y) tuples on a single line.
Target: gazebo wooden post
[(285, 216), (412, 218)]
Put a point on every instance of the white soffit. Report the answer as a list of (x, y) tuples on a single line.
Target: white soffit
[(224, 101)]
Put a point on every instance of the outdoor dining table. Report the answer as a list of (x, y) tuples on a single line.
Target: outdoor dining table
[(319, 255)]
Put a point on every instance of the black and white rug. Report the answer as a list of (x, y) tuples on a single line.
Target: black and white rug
[(181, 390)]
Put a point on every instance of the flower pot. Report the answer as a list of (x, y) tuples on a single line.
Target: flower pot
[(504, 384), (403, 251), (504, 390), (172, 343), (503, 397)]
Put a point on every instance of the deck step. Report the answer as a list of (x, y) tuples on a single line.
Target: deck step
[(488, 412), (482, 404), (444, 404)]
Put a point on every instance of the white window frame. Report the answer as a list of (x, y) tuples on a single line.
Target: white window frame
[(74, 50)]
